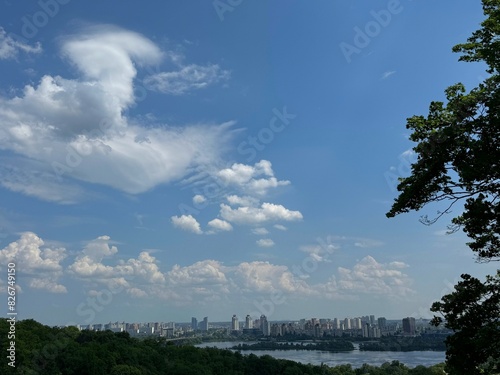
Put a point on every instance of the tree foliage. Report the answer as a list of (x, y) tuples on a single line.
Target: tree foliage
[(458, 148), (54, 351), (458, 160), (473, 312)]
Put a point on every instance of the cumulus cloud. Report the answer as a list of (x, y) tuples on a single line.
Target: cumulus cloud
[(199, 199), (187, 79), (41, 265), (10, 48), (187, 223), (320, 252), (260, 231), (135, 276), (220, 225), (256, 179), (203, 282), (267, 212), (280, 227), (79, 128), (370, 277), (89, 261), (269, 278), (208, 272), (235, 200), (265, 242)]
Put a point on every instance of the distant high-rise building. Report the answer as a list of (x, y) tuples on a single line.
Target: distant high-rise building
[(204, 324), (336, 324), (409, 326), (248, 322), (235, 326), (276, 330), (372, 320), (357, 323), (366, 329), (264, 326), (194, 323), (382, 324), (347, 323)]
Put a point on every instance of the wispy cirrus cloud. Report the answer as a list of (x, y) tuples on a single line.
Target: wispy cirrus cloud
[(187, 79), (10, 48), (387, 74)]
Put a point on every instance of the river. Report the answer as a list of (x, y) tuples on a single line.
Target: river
[(356, 357)]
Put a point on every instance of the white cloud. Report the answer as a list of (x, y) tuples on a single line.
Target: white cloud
[(268, 278), (10, 48), (367, 243), (199, 199), (187, 222), (257, 215), (188, 78), (48, 285), (40, 264), (265, 242), (27, 177), (220, 225), (388, 74), (135, 276), (144, 267), (260, 231), (207, 272), (370, 277), (89, 262), (249, 178), (235, 200), (280, 227), (78, 129), (320, 252)]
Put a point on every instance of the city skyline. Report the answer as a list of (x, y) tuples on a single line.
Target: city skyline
[(162, 159)]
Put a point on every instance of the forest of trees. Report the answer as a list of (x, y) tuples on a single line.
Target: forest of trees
[(48, 350)]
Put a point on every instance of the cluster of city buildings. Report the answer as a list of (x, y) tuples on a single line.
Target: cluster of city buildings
[(365, 326)]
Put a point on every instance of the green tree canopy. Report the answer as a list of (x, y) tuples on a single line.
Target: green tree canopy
[(458, 148)]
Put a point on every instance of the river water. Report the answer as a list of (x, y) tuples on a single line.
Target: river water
[(356, 357)]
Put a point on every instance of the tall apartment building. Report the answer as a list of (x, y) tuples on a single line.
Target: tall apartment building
[(204, 324), (409, 326), (264, 326), (194, 323), (248, 322), (382, 323), (347, 323), (235, 326)]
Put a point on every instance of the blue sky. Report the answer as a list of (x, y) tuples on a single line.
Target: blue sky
[(164, 160)]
